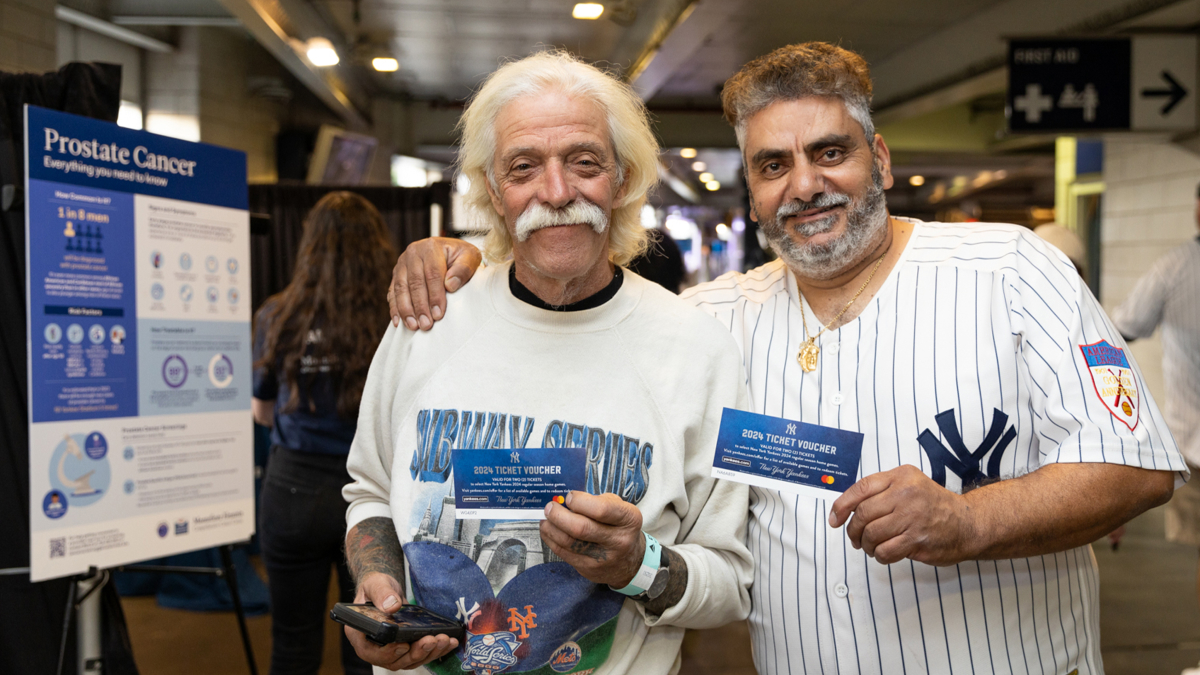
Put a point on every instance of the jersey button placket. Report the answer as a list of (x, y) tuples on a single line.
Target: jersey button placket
[(841, 590)]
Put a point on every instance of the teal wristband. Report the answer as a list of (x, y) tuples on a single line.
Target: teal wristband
[(645, 575)]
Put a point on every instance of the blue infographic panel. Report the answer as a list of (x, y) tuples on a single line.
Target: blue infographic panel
[(83, 339), (141, 441)]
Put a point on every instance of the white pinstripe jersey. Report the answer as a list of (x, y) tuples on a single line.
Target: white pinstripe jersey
[(973, 342)]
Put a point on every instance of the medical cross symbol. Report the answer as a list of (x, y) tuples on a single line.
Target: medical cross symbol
[(1033, 103), (791, 428)]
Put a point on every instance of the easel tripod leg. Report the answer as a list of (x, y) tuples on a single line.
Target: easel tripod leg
[(231, 579)]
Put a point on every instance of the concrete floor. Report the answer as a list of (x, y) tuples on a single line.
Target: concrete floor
[(1150, 622)]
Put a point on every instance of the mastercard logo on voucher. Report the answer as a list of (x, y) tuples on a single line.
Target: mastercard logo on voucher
[(560, 499), (828, 480)]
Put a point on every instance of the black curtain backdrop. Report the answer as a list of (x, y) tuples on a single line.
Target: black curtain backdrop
[(32, 619), (273, 255)]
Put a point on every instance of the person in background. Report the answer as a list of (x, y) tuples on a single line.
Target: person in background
[(1169, 296), (1066, 241), (662, 262), (313, 344)]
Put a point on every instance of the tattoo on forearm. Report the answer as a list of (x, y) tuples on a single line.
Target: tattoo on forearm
[(372, 546), (676, 583), (590, 549)]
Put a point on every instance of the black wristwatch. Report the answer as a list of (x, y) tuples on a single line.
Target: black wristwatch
[(658, 586)]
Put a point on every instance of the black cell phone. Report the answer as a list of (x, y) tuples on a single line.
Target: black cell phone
[(407, 624)]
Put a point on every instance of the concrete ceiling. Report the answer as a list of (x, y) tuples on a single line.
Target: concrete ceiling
[(938, 65), (677, 52), (447, 46)]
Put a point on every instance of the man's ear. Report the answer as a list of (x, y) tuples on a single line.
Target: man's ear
[(497, 203), (622, 191), (883, 160)]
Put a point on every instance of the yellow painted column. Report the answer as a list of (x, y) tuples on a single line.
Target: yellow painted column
[(1064, 176)]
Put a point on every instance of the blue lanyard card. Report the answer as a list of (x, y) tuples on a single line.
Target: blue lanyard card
[(515, 484), (772, 452)]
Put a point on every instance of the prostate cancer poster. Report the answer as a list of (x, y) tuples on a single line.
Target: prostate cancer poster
[(137, 252)]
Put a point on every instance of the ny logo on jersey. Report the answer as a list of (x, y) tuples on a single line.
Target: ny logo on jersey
[(963, 462), (516, 622)]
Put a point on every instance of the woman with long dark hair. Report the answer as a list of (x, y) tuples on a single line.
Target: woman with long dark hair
[(313, 344)]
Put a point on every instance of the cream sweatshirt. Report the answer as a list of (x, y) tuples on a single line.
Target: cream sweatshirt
[(640, 382)]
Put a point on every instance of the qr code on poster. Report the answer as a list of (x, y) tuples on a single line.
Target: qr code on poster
[(58, 547)]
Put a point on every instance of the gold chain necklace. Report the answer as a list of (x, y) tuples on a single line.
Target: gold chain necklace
[(809, 351)]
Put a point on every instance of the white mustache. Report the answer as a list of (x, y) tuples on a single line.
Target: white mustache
[(579, 211), (823, 200)]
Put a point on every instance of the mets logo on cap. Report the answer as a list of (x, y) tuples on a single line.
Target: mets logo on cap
[(1113, 380)]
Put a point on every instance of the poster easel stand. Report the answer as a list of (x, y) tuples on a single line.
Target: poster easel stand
[(225, 571)]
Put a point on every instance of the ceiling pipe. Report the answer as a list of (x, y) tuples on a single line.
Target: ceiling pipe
[(213, 21), (675, 15), (267, 31), (113, 31)]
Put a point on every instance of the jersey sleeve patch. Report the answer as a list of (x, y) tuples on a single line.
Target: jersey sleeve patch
[(1113, 381)]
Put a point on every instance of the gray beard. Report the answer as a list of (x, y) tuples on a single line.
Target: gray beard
[(866, 220)]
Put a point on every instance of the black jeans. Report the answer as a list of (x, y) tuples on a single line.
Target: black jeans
[(302, 527)]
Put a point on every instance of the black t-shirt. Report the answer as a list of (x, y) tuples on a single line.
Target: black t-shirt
[(320, 430)]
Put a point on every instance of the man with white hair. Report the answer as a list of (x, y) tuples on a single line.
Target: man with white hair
[(1005, 425), (558, 348)]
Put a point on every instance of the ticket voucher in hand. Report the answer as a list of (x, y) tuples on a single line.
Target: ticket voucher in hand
[(508, 484), (785, 455)]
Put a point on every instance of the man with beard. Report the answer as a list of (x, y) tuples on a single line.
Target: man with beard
[(555, 350), (1005, 426)]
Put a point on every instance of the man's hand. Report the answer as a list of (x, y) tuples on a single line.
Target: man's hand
[(385, 592), (424, 273), (599, 535), (902, 513)]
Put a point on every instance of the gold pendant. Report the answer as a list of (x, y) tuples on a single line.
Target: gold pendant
[(809, 351)]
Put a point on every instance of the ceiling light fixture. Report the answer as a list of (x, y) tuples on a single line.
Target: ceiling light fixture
[(385, 64), (916, 181), (320, 52), (712, 186), (705, 177), (687, 153), (587, 10), (699, 166)]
